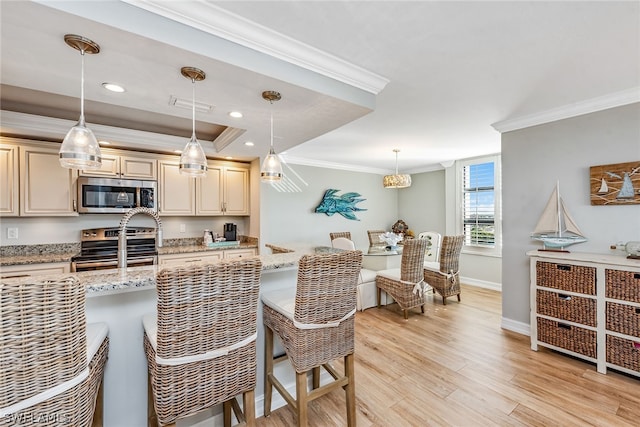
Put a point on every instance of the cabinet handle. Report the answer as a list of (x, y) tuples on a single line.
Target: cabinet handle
[(15, 277), (564, 267), (564, 326), (75, 206), (564, 297)]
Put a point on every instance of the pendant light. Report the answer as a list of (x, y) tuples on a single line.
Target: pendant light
[(80, 149), (397, 180), (193, 162), (271, 167)]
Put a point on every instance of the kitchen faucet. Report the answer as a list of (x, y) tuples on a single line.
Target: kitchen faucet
[(122, 233)]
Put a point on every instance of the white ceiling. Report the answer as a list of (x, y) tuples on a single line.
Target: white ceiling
[(445, 71)]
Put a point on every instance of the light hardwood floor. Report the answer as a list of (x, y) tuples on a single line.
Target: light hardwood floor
[(454, 366)]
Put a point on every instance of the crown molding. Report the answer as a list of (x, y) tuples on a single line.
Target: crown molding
[(229, 26), (330, 165), (227, 136), (616, 99)]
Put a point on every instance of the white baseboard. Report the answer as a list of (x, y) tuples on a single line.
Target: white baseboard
[(515, 326), (481, 283)]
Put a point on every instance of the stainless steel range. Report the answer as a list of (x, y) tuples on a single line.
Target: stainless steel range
[(99, 248)]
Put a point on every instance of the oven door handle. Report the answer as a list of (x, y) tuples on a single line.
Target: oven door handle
[(84, 264), (145, 260)]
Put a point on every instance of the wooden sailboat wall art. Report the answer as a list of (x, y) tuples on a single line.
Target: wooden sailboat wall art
[(616, 184), (556, 229)]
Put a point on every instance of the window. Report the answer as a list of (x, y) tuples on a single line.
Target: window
[(480, 204)]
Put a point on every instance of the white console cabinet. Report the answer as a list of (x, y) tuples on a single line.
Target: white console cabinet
[(588, 306)]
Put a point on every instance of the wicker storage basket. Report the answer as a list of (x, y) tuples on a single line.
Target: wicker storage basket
[(623, 352), (623, 318), (574, 278), (568, 307), (622, 285), (572, 338)]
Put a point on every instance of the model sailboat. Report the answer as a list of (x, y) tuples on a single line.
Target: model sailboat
[(556, 229)]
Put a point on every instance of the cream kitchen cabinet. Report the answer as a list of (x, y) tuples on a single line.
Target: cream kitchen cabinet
[(189, 258), (119, 164), (46, 188), (27, 270), (223, 191), (9, 180), (205, 256), (239, 253)]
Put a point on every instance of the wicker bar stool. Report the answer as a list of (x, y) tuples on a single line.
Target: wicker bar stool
[(200, 346), (51, 362), (335, 235), (444, 275), (406, 284), (316, 326)]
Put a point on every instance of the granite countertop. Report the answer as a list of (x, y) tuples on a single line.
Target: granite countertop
[(63, 252), (104, 282)]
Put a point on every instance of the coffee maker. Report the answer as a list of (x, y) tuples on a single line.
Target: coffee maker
[(230, 232)]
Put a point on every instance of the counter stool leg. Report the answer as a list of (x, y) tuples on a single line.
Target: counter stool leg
[(268, 369), (378, 296), (350, 390), (316, 377), (226, 410), (249, 406), (302, 398)]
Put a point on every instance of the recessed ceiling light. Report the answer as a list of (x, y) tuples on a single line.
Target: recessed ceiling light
[(104, 143), (228, 157), (235, 114), (113, 87), (249, 144), (177, 151)]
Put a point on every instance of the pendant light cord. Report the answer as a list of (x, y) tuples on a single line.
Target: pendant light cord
[(271, 125), (193, 108), (396, 162), (81, 121)]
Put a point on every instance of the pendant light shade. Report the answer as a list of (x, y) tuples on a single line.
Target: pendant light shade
[(397, 180), (271, 167), (80, 148), (193, 162)]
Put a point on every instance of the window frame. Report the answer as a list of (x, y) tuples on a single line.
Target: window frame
[(495, 251)]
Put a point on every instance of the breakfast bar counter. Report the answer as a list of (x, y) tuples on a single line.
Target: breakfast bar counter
[(120, 297)]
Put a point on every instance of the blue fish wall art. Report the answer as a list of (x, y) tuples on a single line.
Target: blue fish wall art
[(344, 205)]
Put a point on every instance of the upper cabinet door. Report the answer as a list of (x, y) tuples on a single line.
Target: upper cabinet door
[(46, 188), (177, 192), (138, 168), (117, 164), (236, 191), (110, 167), (209, 192), (8, 180)]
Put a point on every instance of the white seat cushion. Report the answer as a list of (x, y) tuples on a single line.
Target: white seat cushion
[(367, 275), (283, 301), (96, 333), (150, 325), (392, 273), (432, 265)]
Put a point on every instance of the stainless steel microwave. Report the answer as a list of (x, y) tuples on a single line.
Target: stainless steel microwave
[(112, 195)]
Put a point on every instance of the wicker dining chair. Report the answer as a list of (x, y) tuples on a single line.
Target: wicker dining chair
[(315, 322), (374, 237), (406, 284), (444, 276), (200, 346), (335, 235), (51, 361)]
